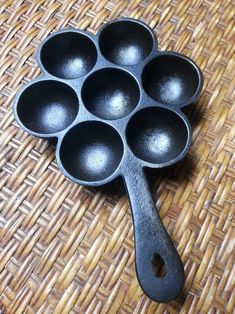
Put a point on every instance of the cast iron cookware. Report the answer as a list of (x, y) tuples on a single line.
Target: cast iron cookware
[(113, 102)]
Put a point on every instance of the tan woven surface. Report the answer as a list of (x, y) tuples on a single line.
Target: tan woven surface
[(65, 248)]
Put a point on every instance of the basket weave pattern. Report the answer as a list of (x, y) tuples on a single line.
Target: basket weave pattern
[(65, 248)]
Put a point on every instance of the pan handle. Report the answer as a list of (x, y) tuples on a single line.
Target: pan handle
[(151, 242)]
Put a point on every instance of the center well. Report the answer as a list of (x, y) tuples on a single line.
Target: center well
[(110, 93)]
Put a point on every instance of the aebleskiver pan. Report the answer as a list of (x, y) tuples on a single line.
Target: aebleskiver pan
[(113, 103)]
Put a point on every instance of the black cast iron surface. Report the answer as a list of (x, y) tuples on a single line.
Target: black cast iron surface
[(113, 103)]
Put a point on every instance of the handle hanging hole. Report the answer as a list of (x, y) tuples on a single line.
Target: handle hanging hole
[(158, 265)]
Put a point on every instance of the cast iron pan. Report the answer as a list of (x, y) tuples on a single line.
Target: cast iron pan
[(113, 102)]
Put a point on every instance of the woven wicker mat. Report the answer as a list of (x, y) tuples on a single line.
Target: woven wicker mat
[(69, 249)]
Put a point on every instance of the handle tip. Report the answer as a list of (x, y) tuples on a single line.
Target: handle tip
[(163, 289), (164, 282)]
